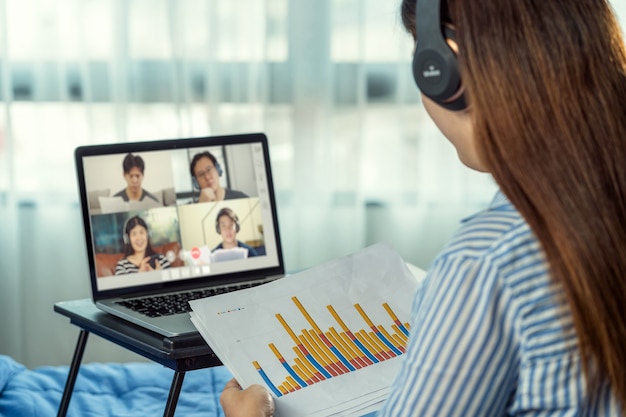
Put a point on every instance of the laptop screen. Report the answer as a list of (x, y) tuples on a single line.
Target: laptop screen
[(176, 213)]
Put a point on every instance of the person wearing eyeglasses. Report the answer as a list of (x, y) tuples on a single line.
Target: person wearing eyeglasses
[(206, 173)]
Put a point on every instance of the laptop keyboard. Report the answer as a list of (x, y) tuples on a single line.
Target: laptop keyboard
[(168, 304)]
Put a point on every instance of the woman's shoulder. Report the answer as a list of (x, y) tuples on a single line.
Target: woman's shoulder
[(500, 248), (497, 229), (125, 266), (123, 261)]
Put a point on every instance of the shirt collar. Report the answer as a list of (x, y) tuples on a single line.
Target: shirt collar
[(498, 202)]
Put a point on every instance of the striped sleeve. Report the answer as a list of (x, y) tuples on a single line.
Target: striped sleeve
[(463, 354), (124, 266), (461, 339), (491, 334)]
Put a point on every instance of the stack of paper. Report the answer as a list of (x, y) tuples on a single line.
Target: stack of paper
[(327, 341)]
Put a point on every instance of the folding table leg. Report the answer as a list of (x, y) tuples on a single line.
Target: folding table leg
[(73, 372), (172, 399)]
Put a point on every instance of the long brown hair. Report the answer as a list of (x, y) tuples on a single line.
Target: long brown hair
[(546, 83)]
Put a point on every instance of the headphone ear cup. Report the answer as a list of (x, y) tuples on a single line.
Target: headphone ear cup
[(237, 228), (196, 186), (126, 237), (435, 63), (219, 169)]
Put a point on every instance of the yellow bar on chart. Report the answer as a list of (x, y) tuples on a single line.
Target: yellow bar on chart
[(321, 346), (304, 368), (388, 337), (339, 344), (309, 366), (337, 318), (382, 349), (327, 362), (304, 340), (364, 339), (390, 312), (287, 328), (300, 373), (398, 341), (293, 383), (354, 348), (288, 386), (306, 315), (276, 352), (400, 333), (365, 317)]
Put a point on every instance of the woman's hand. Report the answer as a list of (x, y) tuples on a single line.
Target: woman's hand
[(254, 401), (144, 266)]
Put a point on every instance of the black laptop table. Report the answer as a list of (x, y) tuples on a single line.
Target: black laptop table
[(181, 354)]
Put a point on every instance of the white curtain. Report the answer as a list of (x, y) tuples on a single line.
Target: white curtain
[(355, 158)]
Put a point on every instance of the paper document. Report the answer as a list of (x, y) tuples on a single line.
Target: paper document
[(233, 254), (326, 341)]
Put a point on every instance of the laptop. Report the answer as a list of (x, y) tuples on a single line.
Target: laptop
[(147, 260)]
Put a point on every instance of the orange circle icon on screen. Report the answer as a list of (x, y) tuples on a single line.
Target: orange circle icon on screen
[(195, 253)]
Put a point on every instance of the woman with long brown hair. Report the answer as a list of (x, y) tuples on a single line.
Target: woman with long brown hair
[(522, 313), (139, 256)]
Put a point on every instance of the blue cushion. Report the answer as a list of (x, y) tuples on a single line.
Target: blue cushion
[(113, 389)]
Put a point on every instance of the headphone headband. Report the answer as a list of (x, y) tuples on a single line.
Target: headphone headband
[(139, 222), (194, 161), (435, 67)]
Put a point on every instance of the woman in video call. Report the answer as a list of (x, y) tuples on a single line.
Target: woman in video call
[(206, 172), (522, 312), (138, 253), (227, 225), (133, 168)]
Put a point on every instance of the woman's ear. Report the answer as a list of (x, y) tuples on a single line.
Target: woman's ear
[(450, 36)]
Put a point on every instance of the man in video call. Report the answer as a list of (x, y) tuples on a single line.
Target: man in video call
[(206, 172), (227, 225), (133, 167)]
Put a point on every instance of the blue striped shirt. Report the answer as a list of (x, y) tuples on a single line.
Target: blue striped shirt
[(491, 334)]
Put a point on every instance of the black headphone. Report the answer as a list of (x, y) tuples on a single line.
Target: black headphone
[(226, 212), (435, 67), (194, 161), (140, 222)]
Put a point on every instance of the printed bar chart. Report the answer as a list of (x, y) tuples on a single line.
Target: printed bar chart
[(321, 355)]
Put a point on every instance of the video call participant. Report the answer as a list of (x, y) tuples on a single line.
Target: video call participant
[(206, 173), (227, 225), (138, 253), (522, 313), (133, 167)]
